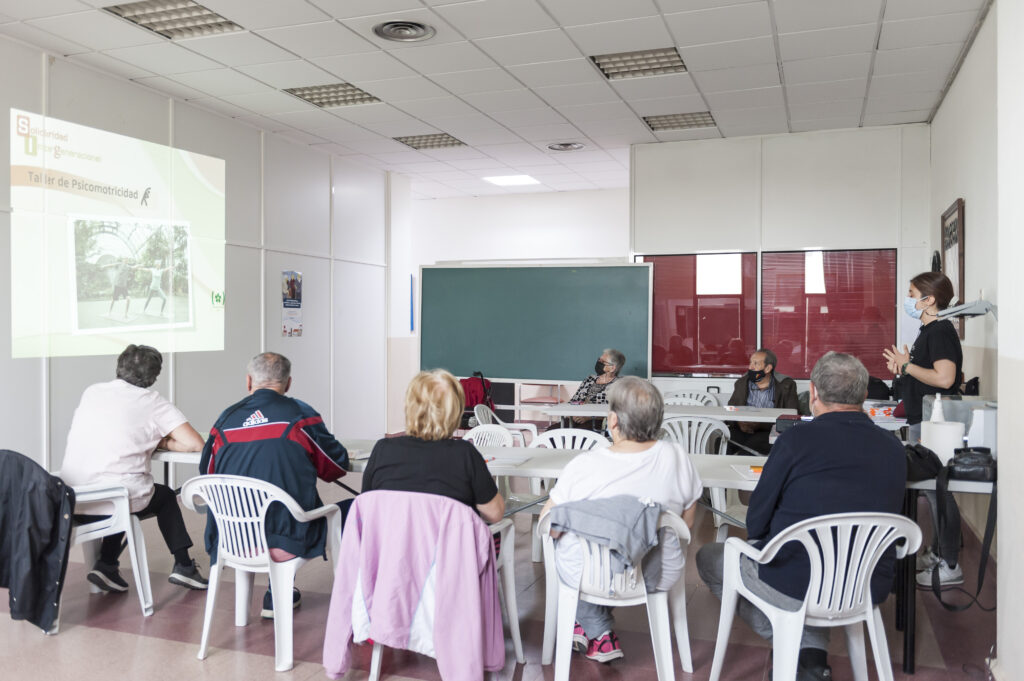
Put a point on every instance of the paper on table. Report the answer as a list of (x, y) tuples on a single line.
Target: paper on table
[(358, 454), (745, 471)]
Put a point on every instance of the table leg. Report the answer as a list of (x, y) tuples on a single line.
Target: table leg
[(907, 576)]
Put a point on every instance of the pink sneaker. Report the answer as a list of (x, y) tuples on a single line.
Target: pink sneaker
[(579, 638), (604, 648)]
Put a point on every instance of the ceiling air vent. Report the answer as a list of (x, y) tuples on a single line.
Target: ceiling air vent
[(404, 31), (565, 146), (639, 64), (174, 19), (680, 121), (333, 95)]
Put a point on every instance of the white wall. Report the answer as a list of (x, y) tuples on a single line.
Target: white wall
[(281, 214)]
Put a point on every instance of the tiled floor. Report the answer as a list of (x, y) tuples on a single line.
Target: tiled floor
[(105, 636)]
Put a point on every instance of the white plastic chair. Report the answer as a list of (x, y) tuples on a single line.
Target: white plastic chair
[(690, 397), (239, 507), (844, 549), (489, 435), (708, 436), (485, 415), (598, 585), (120, 520), (559, 438)]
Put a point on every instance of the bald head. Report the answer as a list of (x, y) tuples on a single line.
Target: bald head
[(269, 370)]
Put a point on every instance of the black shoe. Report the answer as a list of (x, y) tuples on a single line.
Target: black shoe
[(107, 577), (813, 672), (188, 576), (268, 603)]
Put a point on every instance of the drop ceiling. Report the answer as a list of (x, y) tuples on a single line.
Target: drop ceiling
[(509, 77)]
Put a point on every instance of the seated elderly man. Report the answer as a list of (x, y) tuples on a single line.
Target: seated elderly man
[(637, 464), (838, 463), (114, 432), (760, 387), (282, 440)]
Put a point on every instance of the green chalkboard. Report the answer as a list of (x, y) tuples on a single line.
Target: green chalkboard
[(543, 322)]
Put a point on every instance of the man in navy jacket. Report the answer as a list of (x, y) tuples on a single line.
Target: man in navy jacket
[(838, 463), (283, 441)]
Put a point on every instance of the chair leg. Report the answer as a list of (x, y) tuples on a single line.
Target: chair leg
[(722, 533), (855, 649), (140, 565), (729, 600), (536, 549), (677, 610), (550, 604), (282, 578), (243, 596), (568, 598), (787, 631), (211, 597), (661, 638), (879, 645), (508, 579), (90, 552), (375, 662)]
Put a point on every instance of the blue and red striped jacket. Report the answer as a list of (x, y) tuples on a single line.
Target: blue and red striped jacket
[(283, 441)]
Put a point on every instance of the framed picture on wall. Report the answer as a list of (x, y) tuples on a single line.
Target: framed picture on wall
[(952, 233)]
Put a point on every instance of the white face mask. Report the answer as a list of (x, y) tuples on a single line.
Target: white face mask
[(910, 307)]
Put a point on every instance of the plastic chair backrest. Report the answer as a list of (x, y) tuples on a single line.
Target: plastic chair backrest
[(569, 438), (485, 416), (844, 549), (489, 435), (696, 434), (239, 507), (691, 397)]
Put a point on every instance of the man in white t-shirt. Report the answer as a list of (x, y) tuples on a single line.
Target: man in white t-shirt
[(636, 464), (114, 432)]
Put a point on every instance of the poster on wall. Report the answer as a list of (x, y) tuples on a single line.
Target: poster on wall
[(291, 307), (952, 234)]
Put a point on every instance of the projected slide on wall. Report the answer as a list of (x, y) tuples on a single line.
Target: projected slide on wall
[(114, 240)]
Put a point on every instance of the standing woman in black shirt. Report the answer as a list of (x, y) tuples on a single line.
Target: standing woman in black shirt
[(932, 366)]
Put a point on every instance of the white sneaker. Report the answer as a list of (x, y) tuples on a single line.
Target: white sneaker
[(927, 559), (947, 576)]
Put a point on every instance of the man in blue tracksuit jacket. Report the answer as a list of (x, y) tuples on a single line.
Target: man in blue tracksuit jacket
[(283, 441)]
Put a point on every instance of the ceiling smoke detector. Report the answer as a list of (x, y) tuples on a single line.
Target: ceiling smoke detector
[(565, 146), (404, 31)]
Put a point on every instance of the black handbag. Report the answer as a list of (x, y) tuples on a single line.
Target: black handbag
[(922, 463)]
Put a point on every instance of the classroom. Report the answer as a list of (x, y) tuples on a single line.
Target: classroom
[(848, 129)]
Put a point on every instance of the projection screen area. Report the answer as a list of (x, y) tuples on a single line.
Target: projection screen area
[(114, 240)]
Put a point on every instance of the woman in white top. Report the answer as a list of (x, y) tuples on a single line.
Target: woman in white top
[(636, 464)]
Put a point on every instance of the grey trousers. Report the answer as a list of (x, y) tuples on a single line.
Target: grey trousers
[(711, 566), (595, 619)]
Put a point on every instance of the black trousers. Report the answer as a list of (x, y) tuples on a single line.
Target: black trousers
[(163, 505), (758, 440)]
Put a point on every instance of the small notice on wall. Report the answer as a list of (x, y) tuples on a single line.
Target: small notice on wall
[(291, 308)]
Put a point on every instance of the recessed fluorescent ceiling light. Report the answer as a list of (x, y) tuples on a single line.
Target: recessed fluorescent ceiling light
[(335, 94), (680, 121), (436, 141), (174, 18), (512, 180), (639, 64)]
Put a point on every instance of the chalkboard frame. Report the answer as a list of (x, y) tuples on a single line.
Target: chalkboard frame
[(554, 264)]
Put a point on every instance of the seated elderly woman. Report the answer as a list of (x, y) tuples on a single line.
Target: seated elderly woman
[(427, 459), (636, 464), (592, 389)]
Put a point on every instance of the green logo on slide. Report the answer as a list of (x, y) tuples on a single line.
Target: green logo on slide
[(217, 298)]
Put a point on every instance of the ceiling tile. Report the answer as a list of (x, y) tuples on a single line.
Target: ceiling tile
[(221, 107), (311, 119), (809, 15), (595, 112), (481, 163), (370, 113), (836, 123), (171, 87), (482, 80), (668, 85), (581, 185), (96, 30), (472, 121), (729, 55), (289, 74), (741, 78), (163, 58), (836, 108), (923, 81), (911, 59), (377, 145), (437, 107), (237, 49), (110, 65), (686, 135), (640, 135), (566, 72), (599, 167), (364, 25), (300, 137), (755, 116), (746, 99), (586, 93), (506, 100), (513, 154), (322, 39), (268, 102), (914, 101), (489, 18), (346, 133), (669, 6), (497, 136), (452, 154), (828, 42), (733, 22), (529, 48), (843, 67), (403, 89), (355, 68), (572, 12), (912, 9), (404, 127), (220, 82), (262, 122), (620, 36), (253, 15), (346, 9), (772, 127), (521, 118), (897, 118), (21, 10), (631, 127), (561, 132), (935, 30), (450, 176), (669, 105), (43, 39), (430, 59), (823, 92)]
